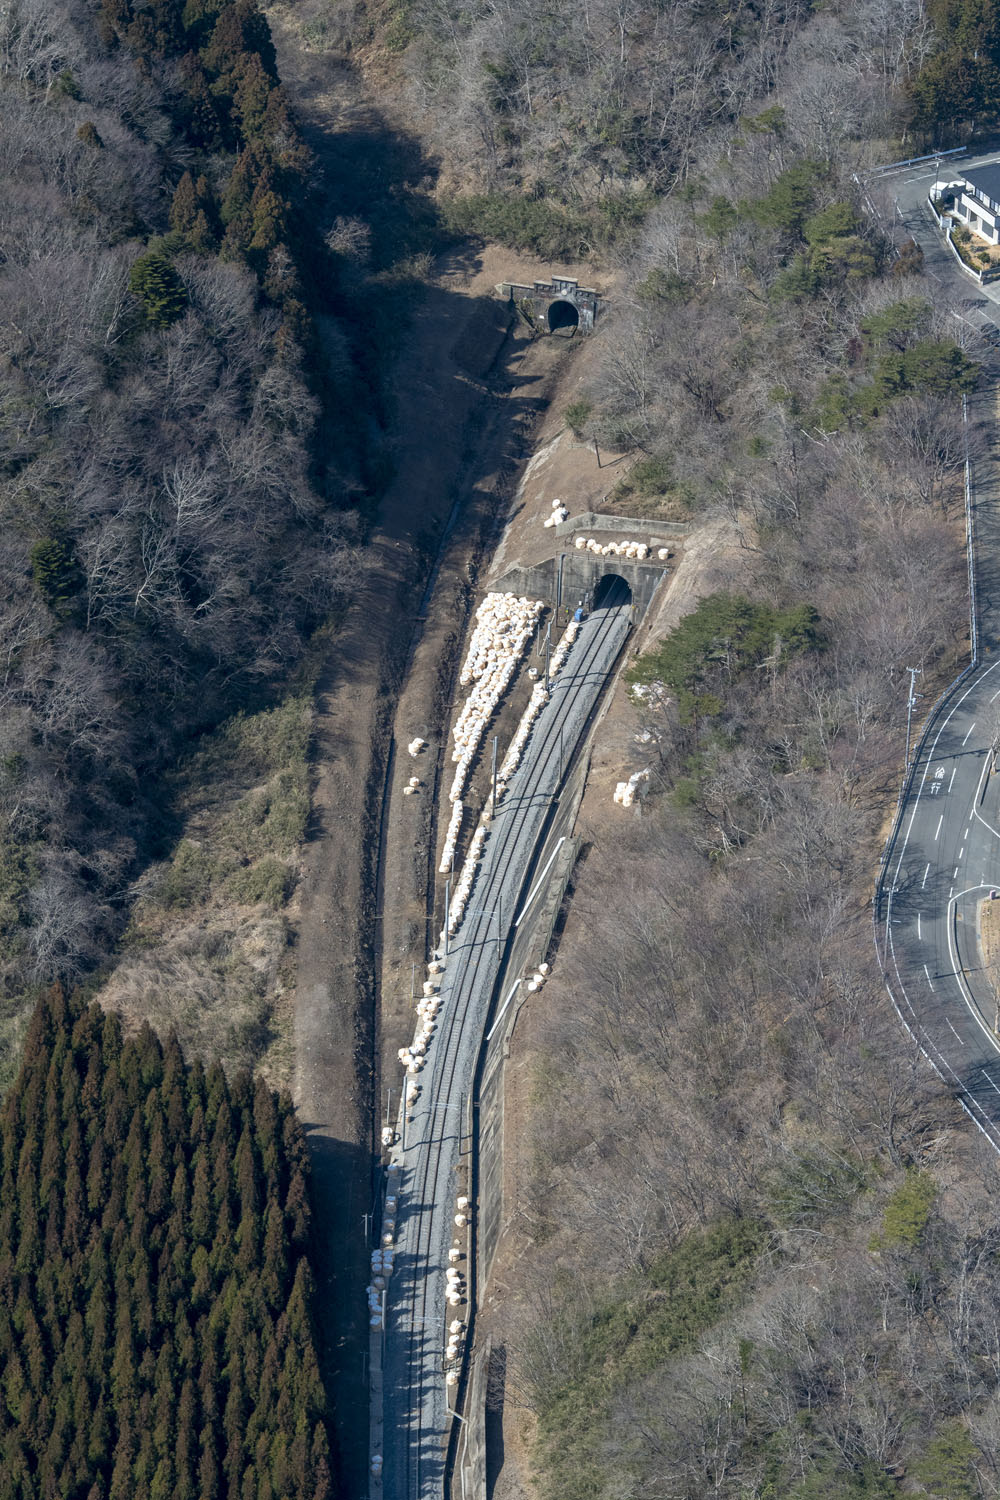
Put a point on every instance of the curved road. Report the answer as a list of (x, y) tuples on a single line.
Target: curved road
[(415, 1418), (944, 858), (944, 865)]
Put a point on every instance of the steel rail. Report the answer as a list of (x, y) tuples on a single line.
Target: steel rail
[(425, 1187)]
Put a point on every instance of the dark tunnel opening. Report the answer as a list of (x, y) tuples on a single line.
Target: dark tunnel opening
[(563, 314), (611, 591)]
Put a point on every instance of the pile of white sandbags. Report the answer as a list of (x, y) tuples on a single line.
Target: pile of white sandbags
[(565, 641), (463, 890), (559, 514), (416, 746), (637, 551), (381, 1271), (451, 837), (627, 791), (539, 697), (511, 761), (504, 624), (536, 980)]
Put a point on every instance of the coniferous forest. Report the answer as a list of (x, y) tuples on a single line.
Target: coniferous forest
[(155, 1335)]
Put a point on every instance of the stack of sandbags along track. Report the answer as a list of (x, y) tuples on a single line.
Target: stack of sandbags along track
[(451, 837), (504, 625), (558, 516), (412, 1057), (463, 890), (539, 698)]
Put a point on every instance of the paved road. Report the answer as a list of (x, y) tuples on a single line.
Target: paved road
[(945, 863), (415, 1409), (954, 289)]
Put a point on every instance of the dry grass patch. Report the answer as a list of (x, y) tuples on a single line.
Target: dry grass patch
[(207, 951)]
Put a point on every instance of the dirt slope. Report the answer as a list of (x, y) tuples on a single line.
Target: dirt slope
[(463, 400)]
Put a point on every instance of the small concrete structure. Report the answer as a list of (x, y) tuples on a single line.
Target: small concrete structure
[(557, 304), (583, 571), (583, 574)]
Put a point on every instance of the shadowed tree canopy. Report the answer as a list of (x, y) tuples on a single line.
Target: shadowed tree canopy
[(155, 1328)]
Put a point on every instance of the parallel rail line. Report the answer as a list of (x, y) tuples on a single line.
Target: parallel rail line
[(473, 968)]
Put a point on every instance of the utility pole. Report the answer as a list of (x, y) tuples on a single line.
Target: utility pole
[(914, 672), (447, 913), (496, 738), (562, 559)]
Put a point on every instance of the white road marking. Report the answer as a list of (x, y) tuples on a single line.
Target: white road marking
[(901, 854), (919, 934), (955, 1033), (966, 835), (952, 777), (989, 1080), (938, 828), (954, 875), (961, 855), (924, 881), (928, 973), (996, 695), (969, 730)]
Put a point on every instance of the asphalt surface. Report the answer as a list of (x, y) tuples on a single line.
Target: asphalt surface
[(954, 289), (415, 1415), (944, 859)]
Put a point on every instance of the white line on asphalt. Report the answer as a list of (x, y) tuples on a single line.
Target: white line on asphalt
[(919, 935), (955, 1033), (961, 855), (980, 678), (989, 1080), (952, 777), (954, 873), (928, 973), (969, 730), (938, 828), (966, 833), (924, 881), (996, 695)]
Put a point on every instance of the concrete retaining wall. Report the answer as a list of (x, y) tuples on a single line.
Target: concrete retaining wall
[(582, 572), (590, 520)]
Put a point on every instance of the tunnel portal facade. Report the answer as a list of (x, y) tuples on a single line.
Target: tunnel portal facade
[(557, 306)]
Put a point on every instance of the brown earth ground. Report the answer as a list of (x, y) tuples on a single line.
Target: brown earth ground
[(465, 400), (470, 407), (340, 927)]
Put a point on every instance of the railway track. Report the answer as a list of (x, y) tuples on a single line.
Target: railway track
[(416, 1420)]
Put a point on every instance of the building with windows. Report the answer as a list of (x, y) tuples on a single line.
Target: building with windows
[(977, 201)]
